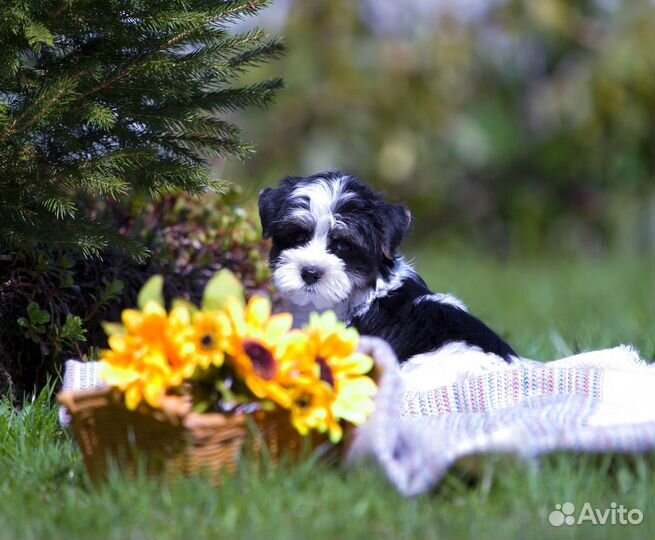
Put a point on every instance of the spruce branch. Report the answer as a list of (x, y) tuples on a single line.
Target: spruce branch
[(109, 99)]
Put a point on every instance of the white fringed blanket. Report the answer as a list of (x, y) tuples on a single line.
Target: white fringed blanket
[(601, 401), (593, 402)]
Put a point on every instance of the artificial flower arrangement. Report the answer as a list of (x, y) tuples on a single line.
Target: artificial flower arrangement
[(233, 357)]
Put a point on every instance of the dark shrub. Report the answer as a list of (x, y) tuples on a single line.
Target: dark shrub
[(51, 305)]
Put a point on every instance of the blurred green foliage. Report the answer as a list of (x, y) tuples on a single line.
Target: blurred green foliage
[(530, 126)]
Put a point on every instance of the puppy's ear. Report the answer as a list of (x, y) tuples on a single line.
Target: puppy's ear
[(269, 200), (398, 218)]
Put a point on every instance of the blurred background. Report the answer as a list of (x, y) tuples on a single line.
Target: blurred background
[(509, 126)]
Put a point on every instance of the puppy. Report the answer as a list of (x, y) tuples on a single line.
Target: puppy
[(335, 246)]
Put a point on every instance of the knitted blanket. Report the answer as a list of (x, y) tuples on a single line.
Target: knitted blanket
[(602, 401)]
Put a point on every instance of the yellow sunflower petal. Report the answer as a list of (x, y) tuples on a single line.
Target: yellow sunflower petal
[(277, 326), (185, 349), (258, 311), (118, 343), (132, 397), (339, 343), (220, 322), (156, 357), (354, 364), (353, 408), (179, 316), (132, 319), (154, 308), (153, 391), (117, 376), (326, 321), (256, 385), (236, 315), (355, 412), (335, 433), (299, 424), (218, 359), (295, 344), (269, 390), (360, 386)]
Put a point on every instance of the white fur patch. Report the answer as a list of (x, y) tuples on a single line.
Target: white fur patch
[(447, 365), (323, 196), (400, 272), (335, 286), (443, 298)]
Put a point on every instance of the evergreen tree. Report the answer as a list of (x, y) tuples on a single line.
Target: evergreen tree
[(114, 98)]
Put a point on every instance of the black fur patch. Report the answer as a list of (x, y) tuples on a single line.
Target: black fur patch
[(418, 327)]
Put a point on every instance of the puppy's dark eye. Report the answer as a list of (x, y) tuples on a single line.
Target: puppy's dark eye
[(299, 237), (342, 246), (294, 237)]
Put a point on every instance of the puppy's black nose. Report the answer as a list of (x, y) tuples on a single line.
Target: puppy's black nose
[(310, 274)]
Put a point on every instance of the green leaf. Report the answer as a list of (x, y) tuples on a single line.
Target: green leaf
[(152, 290), (219, 288), (37, 315), (72, 329), (114, 287), (228, 397), (67, 280), (65, 262), (200, 407)]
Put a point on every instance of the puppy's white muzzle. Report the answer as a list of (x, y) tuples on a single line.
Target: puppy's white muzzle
[(331, 288)]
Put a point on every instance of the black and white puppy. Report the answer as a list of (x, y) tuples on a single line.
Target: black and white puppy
[(335, 246)]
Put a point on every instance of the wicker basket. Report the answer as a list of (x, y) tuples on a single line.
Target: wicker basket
[(174, 441), (171, 441)]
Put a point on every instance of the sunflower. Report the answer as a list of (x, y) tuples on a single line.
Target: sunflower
[(150, 353), (212, 334), (179, 341), (264, 352), (311, 409), (141, 372), (198, 339), (342, 370), (148, 325), (138, 343)]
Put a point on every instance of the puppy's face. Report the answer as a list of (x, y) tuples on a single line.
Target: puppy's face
[(331, 236)]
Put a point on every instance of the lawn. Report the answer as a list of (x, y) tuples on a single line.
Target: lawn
[(546, 308)]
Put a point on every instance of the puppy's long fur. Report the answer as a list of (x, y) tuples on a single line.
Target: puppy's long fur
[(335, 246)]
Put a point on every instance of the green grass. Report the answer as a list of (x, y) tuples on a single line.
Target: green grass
[(544, 308)]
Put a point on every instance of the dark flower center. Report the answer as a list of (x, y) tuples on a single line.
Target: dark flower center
[(262, 360), (326, 373), (207, 341), (303, 401)]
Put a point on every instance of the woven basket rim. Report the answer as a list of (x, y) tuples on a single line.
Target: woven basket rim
[(173, 408)]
